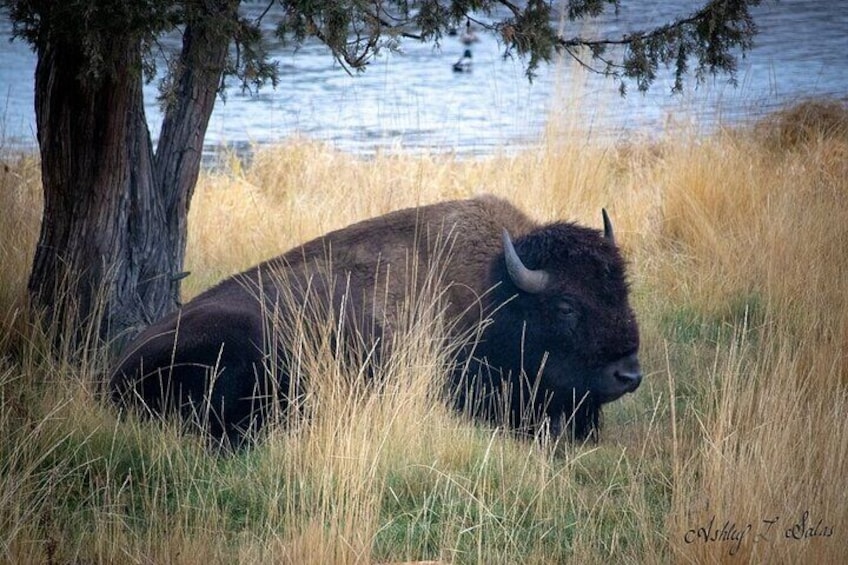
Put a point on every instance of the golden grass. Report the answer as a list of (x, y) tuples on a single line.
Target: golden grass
[(738, 244)]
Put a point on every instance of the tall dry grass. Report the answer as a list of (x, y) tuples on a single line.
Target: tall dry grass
[(758, 243), (735, 445)]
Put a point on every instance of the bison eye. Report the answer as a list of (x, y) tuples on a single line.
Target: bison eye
[(567, 312)]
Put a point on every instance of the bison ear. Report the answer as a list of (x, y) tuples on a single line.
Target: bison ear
[(528, 280), (608, 233)]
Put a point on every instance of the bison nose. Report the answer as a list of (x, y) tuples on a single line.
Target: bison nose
[(630, 380), (628, 372)]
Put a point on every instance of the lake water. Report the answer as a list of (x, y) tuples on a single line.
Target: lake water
[(414, 101)]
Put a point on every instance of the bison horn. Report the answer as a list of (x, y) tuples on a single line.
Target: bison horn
[(526, 279), (607, 226)]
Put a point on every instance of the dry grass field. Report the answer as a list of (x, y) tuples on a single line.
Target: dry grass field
[(734, 450)]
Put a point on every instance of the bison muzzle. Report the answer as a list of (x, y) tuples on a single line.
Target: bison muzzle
[(554, 336)]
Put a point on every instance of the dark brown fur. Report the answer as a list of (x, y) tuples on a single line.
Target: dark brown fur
[(226, 327)]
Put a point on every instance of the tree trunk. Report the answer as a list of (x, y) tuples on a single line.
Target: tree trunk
[(113, 234), (180, 148)]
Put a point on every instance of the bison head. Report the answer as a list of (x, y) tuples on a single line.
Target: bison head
[(565, 323)]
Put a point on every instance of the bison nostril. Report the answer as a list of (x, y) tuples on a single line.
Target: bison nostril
[(630, 379)]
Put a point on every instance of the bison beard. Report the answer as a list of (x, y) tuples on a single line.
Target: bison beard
[(554, 334)]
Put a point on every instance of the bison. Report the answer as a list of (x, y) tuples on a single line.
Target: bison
[(541, 324)]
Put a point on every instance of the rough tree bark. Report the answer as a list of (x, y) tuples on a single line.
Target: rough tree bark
[(113, 235)]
